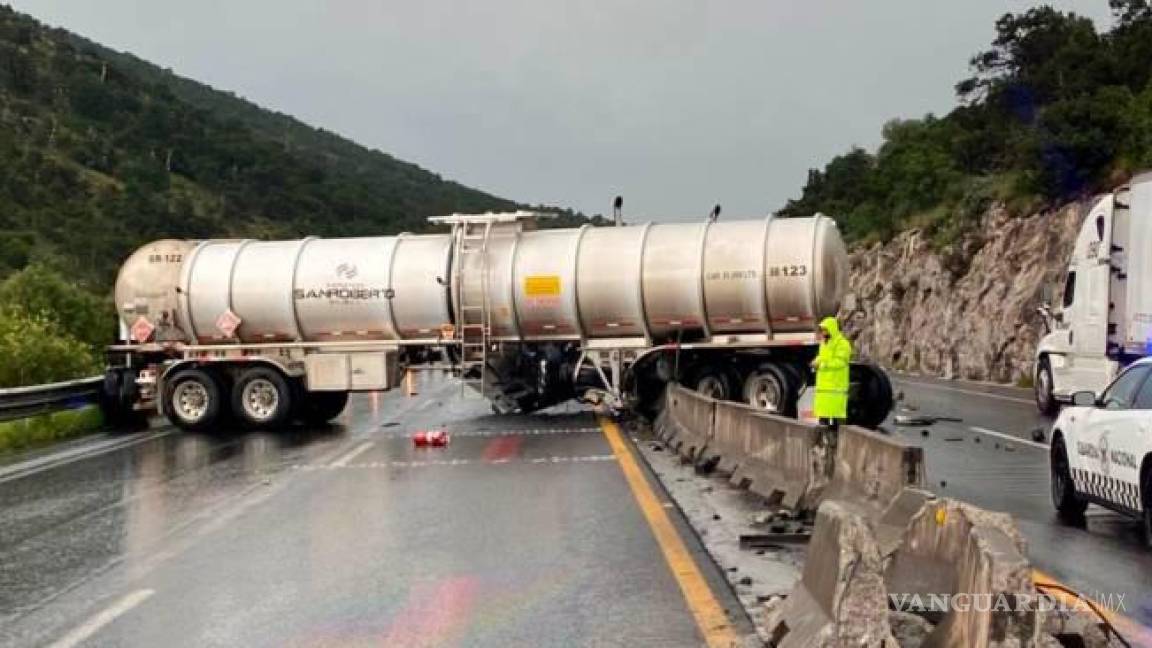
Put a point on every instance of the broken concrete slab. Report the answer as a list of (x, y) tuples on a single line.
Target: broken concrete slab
[(841, 599)]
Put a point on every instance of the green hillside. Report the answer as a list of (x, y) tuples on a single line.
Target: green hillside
[(1054, 110), (102, 151)]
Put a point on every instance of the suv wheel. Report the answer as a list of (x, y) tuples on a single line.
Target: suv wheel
[(1069, 504), (1146, 508)]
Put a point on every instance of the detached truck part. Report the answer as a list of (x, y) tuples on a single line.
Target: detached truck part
[(1104, 322), (282, 330)]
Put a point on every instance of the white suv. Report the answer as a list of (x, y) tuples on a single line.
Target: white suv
[(1102, 449)]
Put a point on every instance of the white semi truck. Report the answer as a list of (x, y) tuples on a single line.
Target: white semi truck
[(272, 331), (1104, 321)]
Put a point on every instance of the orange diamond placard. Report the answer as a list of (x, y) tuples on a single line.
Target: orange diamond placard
[(228, 322), (142, 329)]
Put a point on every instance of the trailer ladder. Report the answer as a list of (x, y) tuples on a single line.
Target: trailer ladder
[(474, 312)]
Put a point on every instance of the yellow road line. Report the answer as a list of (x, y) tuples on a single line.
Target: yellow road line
[(709, 614), (1135, 632)]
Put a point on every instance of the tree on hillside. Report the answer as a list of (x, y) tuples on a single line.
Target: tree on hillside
[(1053, 110)]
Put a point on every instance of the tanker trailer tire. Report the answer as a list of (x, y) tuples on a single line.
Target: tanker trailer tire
[(1045, 399), (714, 382), (870, 398), (193, 399), (318, 408), (118, 394), (771, 388), (262, 397)]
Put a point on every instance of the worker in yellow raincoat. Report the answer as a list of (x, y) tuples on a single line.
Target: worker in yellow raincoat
[(831, 365)]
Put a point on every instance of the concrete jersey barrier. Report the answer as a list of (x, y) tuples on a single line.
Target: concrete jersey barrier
[(954, 554), (872, 469), (952, 548), (877, 531), (686, 421), (840, 600), (787, 462), (734, 437)]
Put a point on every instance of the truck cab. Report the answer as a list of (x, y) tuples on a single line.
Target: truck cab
[(1103, 321)]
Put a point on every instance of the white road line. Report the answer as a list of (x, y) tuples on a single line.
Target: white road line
[(93, 625), (1009, 437), (966, 391), (356, 452)]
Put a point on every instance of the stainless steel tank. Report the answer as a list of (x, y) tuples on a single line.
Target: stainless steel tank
[(765, 276), (146, 285)]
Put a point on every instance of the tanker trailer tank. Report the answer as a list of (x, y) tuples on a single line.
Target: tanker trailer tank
[(528, 317)]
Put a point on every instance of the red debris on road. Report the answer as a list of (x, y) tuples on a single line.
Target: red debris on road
[(430, 439)]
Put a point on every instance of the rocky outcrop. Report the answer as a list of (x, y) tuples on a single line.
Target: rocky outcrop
[(967, 310)]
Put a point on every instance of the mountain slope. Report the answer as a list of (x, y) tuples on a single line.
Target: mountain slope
[(102, 151)]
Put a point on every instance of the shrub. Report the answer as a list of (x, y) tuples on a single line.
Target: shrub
[(34, 350), (39, 291)]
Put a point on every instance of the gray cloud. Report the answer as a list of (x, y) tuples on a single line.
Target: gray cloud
[(676, 105)]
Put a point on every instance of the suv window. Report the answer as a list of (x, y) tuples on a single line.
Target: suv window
[(1144, 397), (1070, 289), (1122, 392)]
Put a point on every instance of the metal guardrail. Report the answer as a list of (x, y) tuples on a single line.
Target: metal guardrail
[(20, 402)]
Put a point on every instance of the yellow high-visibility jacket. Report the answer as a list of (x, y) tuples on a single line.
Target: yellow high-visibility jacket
[(835, 355)]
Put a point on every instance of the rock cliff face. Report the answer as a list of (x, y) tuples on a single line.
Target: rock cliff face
[(965, 311)]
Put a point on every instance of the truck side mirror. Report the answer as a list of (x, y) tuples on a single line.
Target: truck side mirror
[(1084, 399)]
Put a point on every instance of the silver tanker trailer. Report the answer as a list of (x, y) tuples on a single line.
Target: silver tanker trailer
[(271, 331)]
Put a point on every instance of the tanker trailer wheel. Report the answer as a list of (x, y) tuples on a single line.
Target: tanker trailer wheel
[(192, 399), (117, 397), (713, 382), (318, 408), (772, 389), (870, 397), (262, 397)]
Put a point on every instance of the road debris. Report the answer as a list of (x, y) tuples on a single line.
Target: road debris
[(923, 419), (430, 439)]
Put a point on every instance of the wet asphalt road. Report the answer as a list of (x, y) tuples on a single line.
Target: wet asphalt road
[(969, 461), (523, 532)]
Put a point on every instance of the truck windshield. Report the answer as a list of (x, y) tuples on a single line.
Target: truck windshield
[(1069, 289)]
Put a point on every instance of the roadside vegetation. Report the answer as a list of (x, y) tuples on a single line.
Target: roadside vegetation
[(34, 431), (50, 329), (1054, 110)]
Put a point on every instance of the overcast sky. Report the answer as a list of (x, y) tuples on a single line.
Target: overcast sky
[(676, 105)]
